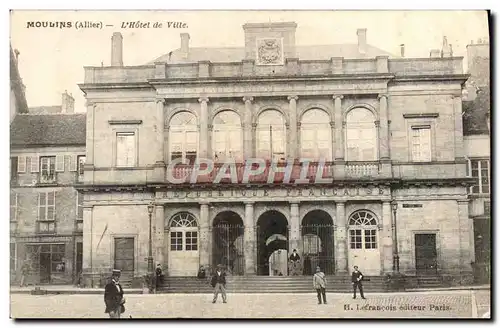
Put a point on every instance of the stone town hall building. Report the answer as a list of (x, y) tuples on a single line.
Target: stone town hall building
[(389, 129)]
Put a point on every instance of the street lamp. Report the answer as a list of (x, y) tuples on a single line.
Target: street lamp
[(151, 208), (395, 260)]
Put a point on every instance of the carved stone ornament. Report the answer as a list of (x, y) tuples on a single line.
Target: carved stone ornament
[(269, 51)]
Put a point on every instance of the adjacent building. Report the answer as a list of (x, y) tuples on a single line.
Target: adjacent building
[(46, 214), (388, 128), (476, 108)]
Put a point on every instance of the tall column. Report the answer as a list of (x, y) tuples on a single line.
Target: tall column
[(247, 127), (292, 142), (466, 241), (203, 127), (159, 234), (89, 157), (250, 240), (159, 167), (339, 133), (339, 167), (341, 239), (295, 227), (204, 235), (334, 141), (386, 238), (88, 241), (384, 128)]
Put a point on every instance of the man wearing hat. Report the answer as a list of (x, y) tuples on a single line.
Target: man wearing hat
[(218, 282), (319, 283), (295, 261), (113, 296)]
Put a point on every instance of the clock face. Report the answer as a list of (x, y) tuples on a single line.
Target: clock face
[(270, 51)]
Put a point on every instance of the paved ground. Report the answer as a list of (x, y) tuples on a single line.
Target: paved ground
[(443, 304)]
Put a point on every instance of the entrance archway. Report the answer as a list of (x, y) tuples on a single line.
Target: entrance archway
[(317, 242), (272, 243), (183, 259), (228, 242), (363, 242)]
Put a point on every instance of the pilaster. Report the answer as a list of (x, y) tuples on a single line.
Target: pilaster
[(250, 240), (159, 167), (204, 127), (247, 127), (341, 239), (295, 228), (386, 238), (159, 235), (204, 235), (293, 144)]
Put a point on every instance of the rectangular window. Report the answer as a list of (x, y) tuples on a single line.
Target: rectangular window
[(81, 164), (421, 144), (355, 239), (13, 206), (46, 227), (48, 166), (125, 149), (480, 171), (46, 206), (191, 241), (176, 241), (370, 239), (79, 211)]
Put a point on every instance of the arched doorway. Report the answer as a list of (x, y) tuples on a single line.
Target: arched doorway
[(228, 242), (183, 259), (363, 242), (272, 244), (317, 242)]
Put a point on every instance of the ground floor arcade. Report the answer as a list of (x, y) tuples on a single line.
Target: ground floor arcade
[(253, 231)]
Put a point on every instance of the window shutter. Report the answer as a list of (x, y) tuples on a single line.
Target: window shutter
[(73, 163), (21, 164), (35, 164), (59, 163)]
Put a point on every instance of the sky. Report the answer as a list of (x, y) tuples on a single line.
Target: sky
[(52, 60)]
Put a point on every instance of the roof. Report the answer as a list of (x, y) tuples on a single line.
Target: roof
[(236, 54), (45, 109), (476, 113), (48, 130), (17, 85)]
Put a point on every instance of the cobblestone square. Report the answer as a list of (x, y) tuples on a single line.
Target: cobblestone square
[(443, 304)]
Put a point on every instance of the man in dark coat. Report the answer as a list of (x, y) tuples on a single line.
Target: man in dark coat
[(357, 282), (218, 282), (295, 263), (159, 276), (113, 296)]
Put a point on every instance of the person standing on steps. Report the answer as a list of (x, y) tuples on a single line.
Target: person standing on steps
[(357, 282), (113, 296), (295, 263), (319, 283), (218, 282)]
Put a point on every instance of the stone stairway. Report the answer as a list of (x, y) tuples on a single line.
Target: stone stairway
[(266, 284)]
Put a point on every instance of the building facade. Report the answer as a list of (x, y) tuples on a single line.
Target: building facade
[(476, 108), (46, 213), (383, 132)]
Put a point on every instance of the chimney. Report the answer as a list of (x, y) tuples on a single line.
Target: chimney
[(117, 49), (185, 45), (445, 51), (435, 53), (362, 40), (402, 48), (68, 103)]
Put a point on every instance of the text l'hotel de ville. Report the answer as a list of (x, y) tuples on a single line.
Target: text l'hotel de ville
[(100, 24)]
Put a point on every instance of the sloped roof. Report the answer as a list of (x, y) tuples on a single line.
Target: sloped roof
[(16, 84), (48, 130), (45, 109), (476, 113), (236, 54)]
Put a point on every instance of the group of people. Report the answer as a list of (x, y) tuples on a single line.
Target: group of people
[(115, 302)]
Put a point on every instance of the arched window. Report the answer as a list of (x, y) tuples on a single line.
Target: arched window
[(183, 137), (271, 135), (362, 230), (183, 232), (227, 139), (361, 135), (315, 135)]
